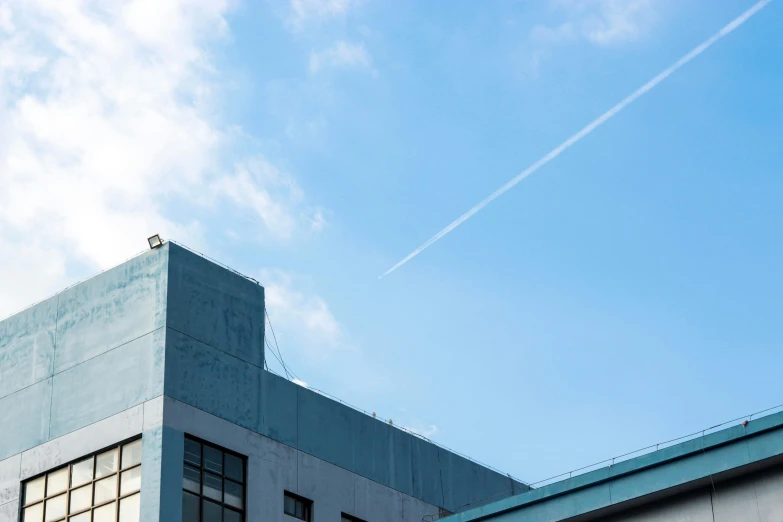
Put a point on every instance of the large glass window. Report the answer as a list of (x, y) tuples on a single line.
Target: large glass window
[(213, 483), (100, 488)]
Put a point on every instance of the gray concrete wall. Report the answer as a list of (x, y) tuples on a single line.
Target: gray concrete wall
[(86, 354), (79, 371), (214, 362), (169, 322), (274, 467), (144, 419), (756, 497)]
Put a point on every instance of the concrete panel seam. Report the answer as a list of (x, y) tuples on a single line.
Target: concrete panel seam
[(755, 492), (440, 474), (214, 347), (85, 361), (54, 365), (90, 424)]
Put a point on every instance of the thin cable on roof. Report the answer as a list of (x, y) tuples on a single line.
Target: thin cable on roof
[(279, 355), (279, 360)]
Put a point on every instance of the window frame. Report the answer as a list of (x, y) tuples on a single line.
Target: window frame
[(350, 518), (69, 488), (203, 470), (307, 503)]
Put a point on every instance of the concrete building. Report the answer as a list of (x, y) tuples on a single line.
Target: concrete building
[(731, 475), (141, 394)]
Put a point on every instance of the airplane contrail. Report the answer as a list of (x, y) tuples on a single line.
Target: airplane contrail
[(741, 19)]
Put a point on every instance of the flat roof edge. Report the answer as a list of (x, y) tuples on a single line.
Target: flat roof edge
[(705, 445)]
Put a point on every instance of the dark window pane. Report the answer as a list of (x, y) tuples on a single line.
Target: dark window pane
[(212, 512), (191, 479), (213, 459), (233, 496), (231, 516), (193, 452), (234, 468), (213, 487), (289, 506), (296, 507), (189, 507)]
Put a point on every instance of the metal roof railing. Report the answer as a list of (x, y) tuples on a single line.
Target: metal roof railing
[(624, 457)]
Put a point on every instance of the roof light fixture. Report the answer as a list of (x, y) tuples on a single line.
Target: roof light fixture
[(154, 241)]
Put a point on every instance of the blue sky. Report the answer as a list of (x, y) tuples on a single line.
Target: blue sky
[(626, 293)]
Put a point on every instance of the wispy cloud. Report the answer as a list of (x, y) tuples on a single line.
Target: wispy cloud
[(303, 11), (317, 219), (108, 121), (301, 318), (270, 194), (601, 22), (590, 127), (425, 431), (341, 55)]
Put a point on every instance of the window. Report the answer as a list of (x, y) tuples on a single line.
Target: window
[(350, 518), (297, 507), (213, 484), (101, 488)]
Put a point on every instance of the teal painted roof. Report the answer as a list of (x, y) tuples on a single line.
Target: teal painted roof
[(670, 467)]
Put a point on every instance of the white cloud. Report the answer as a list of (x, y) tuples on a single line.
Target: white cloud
[(601, 22), (302, 11), (6, 23), (15, 273), (317, 219), (425, 431), (259, 186), (107, 120), (300, 382), (301, 319), (341, 55)]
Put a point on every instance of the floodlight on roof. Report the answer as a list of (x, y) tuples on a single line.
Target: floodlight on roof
[(155, 241)]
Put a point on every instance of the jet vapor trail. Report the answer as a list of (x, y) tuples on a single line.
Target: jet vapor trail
[(741, 19)]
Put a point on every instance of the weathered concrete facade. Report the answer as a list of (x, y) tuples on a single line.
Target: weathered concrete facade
[(169, 343)]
